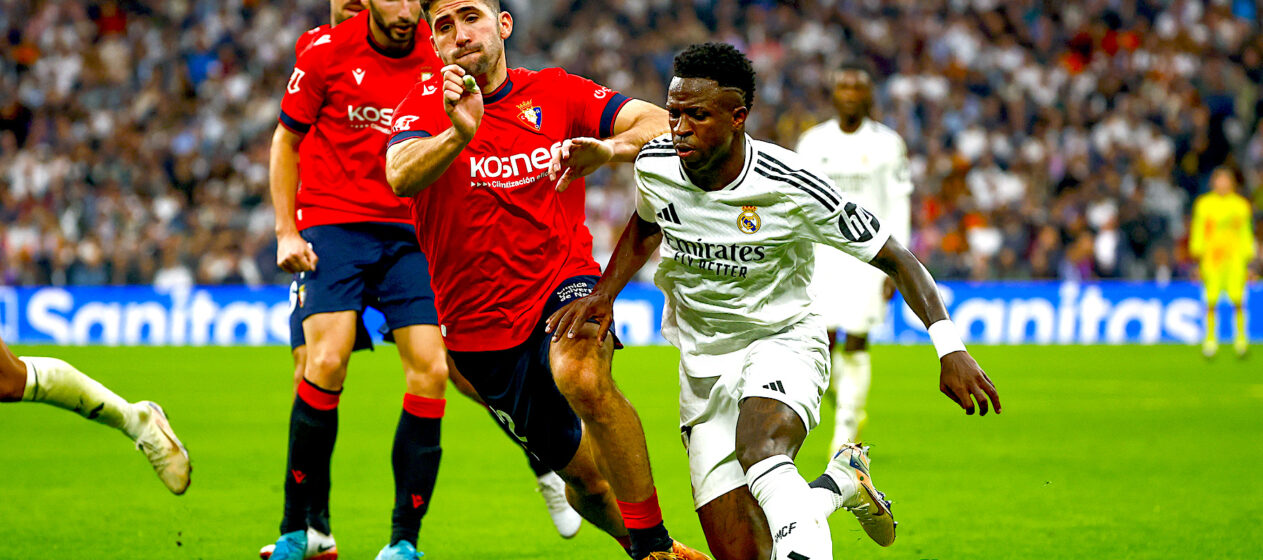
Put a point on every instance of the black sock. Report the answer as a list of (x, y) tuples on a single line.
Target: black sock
[(416, 462), (825, 482), (318, 512), (653, 539), (313, 428)]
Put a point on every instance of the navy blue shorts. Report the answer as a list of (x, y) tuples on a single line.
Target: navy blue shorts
[(363, 341), (517, 384), (365, 264)]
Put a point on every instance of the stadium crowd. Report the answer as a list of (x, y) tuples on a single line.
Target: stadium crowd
[(1047, 139)]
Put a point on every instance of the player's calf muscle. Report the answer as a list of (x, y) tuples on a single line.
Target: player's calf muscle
[(735, 527), (12, 380)]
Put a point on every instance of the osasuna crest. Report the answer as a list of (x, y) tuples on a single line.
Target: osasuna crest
[(530, 114), (749, 221)]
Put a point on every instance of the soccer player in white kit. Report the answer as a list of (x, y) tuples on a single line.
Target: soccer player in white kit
[(868, 162), (736, 220)]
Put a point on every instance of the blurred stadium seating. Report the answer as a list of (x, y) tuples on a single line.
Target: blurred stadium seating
[(1049, 140)]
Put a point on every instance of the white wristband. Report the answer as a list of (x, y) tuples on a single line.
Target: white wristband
[(946, 339)]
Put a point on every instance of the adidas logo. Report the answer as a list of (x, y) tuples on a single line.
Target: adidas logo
[(668, 214), (775, 386)]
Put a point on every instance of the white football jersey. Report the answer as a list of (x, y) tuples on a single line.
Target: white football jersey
[(736, 262), (869, 165)]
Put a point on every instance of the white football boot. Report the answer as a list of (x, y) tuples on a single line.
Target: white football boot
[(163, 449)]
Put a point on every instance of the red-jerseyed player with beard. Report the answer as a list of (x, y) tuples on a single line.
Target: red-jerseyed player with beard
[(489, 174), (350, 240), (320, 545)]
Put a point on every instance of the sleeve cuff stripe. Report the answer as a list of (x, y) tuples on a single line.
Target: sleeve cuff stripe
[(294, 124), (612, 108), (403, 136)]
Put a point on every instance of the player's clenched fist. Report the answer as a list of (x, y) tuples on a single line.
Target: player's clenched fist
[(294, 254), (463, 104)]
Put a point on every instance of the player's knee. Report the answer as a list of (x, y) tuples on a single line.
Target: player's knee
[(327, 370), (754, 449), (429, 382)]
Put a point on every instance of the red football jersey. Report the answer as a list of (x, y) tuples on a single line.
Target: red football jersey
[(499, 237), (308, 37), (341, 95)]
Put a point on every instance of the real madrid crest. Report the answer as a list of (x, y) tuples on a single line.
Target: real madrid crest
[(749, 221)]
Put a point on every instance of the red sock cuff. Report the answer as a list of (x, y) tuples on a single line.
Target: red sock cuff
[(423, 407), (317, 398), (642, 515)]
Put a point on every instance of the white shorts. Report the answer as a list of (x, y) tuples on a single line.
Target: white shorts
[(791, 366), (847, 292)]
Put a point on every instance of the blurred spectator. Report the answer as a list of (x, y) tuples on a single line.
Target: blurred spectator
[(1047, 140)]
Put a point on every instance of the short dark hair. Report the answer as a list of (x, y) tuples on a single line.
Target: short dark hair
[(720, 62), (425, 7), (857, 65)]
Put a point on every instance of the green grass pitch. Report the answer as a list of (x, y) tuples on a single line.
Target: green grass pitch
[(1102, 452)]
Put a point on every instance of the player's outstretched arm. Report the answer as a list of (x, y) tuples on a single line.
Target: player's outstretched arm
[(292, 252), (961, 379), (413, 165), (638, 242), (637, 123)]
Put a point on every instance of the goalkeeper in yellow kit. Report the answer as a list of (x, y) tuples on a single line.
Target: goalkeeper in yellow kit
[(1221, 237)]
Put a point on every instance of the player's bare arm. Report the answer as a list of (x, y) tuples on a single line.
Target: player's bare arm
[(639, 241), (961, 379), (415, 164), (637, 123), (292, 252)]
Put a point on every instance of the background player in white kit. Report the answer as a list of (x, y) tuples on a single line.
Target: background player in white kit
[(736, 220), (868, 162)]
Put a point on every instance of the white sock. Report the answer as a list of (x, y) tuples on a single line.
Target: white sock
[(58, 383), (798, 533), (830, 494), (852, 375)]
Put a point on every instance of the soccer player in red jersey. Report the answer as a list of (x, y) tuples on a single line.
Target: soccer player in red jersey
[(339, 11), (498, 203), (350, 241)]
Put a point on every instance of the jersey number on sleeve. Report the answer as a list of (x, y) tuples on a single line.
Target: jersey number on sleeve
[(294, 79), (857, 224)]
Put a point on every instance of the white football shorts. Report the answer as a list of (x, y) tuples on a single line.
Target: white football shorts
[(791, 366)]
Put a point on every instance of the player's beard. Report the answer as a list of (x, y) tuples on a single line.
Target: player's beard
[(484, 63), (401, 33)]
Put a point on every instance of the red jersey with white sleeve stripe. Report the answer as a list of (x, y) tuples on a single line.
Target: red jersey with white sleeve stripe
[(498, 235), (308, 37), (342, 95)]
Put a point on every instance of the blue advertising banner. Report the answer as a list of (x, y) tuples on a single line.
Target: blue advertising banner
[(991, 313)]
